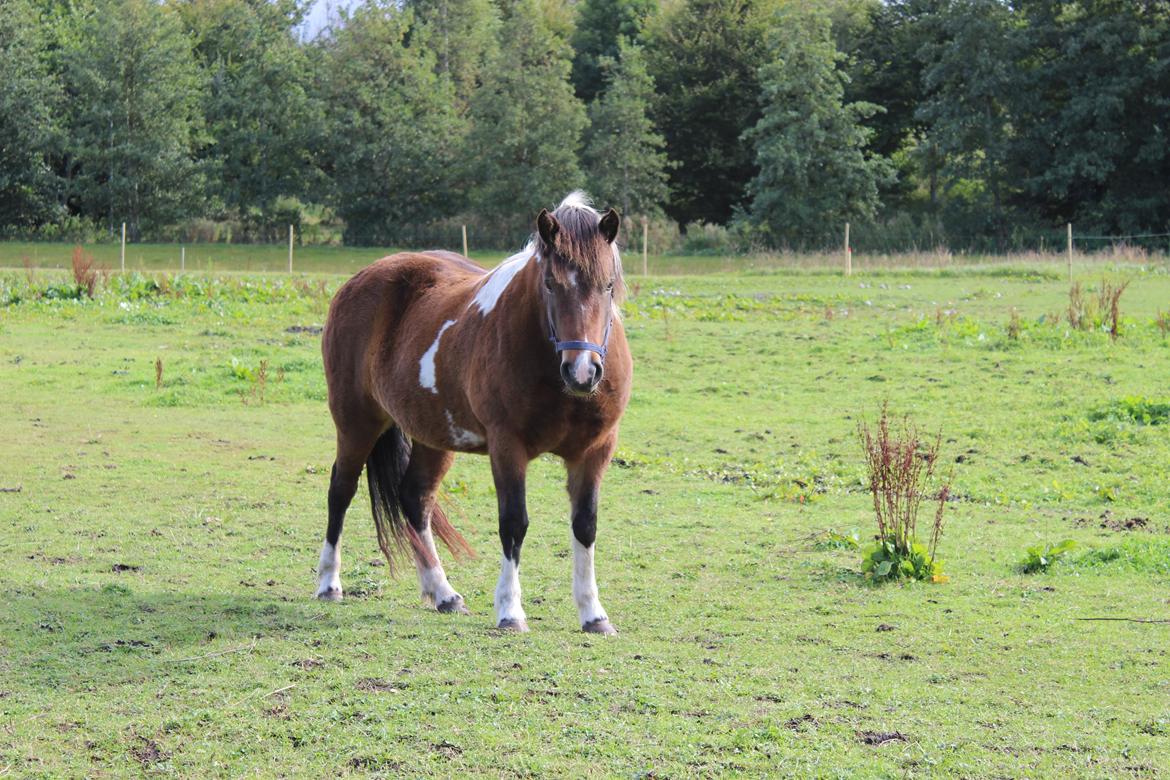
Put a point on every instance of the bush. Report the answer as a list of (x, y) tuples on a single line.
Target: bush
[(701, 238), (901, 470)]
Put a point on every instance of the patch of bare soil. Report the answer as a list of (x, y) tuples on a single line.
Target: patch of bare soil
[(148, 753), (881, 737), (375, 685)]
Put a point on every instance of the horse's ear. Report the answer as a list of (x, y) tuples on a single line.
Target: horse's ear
[(546, 225), (609, 225)]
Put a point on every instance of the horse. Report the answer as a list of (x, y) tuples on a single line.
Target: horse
[(427, 354)]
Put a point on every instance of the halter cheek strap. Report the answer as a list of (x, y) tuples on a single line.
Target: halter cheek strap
[(561, 346)]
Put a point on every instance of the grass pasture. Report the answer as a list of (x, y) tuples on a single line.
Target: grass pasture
[(211, 258), (159, 540)]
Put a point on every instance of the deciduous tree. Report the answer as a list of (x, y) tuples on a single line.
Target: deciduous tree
[(814, 172), (624, 157)]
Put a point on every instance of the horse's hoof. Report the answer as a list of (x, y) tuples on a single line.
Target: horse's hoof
[(454, 605), (513, 624), (330, 594), (599, 626)]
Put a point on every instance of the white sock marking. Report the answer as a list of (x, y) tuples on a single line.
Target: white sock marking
[(585, 585), (329, 569), (508, 593), (498, 280), (426, 365), (433, 581)]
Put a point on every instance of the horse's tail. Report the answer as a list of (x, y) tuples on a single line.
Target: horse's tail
[(385, 470)]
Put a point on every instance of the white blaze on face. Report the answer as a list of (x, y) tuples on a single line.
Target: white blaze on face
[(582, 367), (508, 593), (498, 280), (585, 585), (329, 570), (426, 365), (432, 580)]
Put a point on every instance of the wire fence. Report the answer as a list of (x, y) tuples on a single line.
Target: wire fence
[(645, 251)]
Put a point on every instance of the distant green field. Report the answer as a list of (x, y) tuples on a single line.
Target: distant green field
[(257, 258), (159, 543)]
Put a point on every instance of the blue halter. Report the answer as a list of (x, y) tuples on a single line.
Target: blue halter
[(561, 346)]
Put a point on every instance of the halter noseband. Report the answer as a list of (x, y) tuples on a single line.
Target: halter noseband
[(561, 346)]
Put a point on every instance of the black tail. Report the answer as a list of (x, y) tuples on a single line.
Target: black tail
[(385, 469)]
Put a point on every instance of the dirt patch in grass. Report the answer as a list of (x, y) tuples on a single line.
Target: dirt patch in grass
[(881, 737), (148, 752), (374, 685), (310, 663), (1109, 522)]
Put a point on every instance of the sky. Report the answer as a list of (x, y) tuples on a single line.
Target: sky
[(319, 14)]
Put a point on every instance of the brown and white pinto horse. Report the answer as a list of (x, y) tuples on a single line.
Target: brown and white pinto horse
[(426, 354)]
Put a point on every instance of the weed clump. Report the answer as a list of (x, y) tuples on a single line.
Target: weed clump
[(1136, 409), (1040, 558), (1162, 321), (1109, 301), (1084, 313), (86, 273), (902, 472), (1013, 328), (1079, 314)]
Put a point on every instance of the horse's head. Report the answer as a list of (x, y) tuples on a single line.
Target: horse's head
[(581, 281)]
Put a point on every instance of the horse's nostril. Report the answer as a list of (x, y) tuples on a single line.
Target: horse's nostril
[(567, 373), (598, 370)]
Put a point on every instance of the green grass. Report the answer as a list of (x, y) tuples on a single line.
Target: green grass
[(159, 546), (259, 258)]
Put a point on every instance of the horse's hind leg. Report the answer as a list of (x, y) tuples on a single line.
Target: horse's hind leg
[(352, 451), (419, 487)]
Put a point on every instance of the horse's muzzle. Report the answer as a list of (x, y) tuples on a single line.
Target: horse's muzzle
[(581, 376)]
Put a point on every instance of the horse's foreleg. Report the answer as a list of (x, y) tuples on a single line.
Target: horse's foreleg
[(342, 486), (347, 469), (584, 487), (419, 487), (509, 466)]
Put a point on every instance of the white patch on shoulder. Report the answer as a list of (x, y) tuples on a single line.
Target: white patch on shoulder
[(426, 365), (461, 437), (498, 280)]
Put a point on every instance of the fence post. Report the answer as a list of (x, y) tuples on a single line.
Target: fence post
[(290, 244), (1069, 242), (848, 253), (123, 247), (645, 246), (465, 241), (182, 258)]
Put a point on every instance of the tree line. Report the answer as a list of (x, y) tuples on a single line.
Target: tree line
[(763, 123)]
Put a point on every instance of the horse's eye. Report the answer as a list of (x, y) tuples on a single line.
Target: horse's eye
[(609, 288), (548, 285)]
